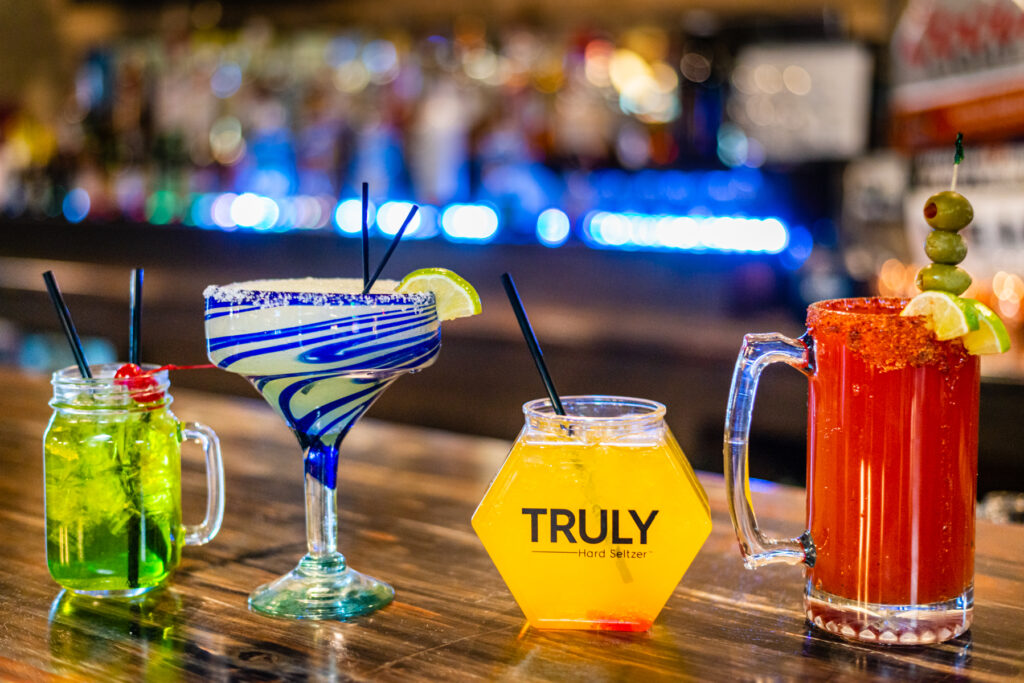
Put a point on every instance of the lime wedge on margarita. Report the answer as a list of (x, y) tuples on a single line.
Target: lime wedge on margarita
[(455, 297), (947, 315), (991, 335)]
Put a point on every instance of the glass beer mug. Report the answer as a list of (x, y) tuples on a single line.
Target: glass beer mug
[(892, 445), (112, 459)]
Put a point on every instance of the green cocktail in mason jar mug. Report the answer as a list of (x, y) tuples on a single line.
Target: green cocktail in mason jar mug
[(112, 457)]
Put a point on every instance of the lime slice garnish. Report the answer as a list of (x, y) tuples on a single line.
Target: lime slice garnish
[(455, 297), (947, 315), (991, 335)]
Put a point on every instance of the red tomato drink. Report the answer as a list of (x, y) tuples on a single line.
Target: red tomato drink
[(892, 474)]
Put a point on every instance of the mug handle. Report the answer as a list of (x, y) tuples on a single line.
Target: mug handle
[(759, 351), (200, 534)]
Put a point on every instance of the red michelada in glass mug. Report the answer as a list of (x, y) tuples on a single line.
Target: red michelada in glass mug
[(891, 471)]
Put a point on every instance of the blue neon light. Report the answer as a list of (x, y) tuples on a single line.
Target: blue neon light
[(699, 212), (686, 233)]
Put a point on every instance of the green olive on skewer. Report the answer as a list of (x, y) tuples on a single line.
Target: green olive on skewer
[(947, 278), (948, 210), (945, 247)]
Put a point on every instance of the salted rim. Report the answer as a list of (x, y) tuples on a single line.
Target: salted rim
[(318, 291), (873, 329)]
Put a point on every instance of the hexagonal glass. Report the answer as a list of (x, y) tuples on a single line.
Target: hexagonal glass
[(595, 515)]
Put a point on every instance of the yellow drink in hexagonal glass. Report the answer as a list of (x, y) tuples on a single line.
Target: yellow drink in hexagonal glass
[(595, 516)]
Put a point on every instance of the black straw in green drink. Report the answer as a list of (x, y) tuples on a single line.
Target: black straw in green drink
[(391, 248), (134, 526), (366, 237), (66, 323), (135, 325), (531, 341)]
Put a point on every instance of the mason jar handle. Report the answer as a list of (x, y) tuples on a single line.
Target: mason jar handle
[(200, 534), (758, 352)]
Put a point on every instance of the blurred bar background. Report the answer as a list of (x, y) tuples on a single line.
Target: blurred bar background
[(660, 180)]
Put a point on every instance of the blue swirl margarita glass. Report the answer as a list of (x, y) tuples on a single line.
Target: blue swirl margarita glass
[(320, 353)]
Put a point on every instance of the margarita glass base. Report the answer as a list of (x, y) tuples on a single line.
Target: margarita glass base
[(890, 624), (321, 588)]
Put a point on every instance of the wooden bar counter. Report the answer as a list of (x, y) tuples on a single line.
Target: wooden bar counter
[(405, 499)]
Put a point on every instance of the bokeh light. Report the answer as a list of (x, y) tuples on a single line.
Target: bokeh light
[(348, 216), (469, 223), (226, 142), (76, 205), (1008, 289), (553, 227), (162, 207), (381, 61), (391, 215), (351, 77), (221, 211), (695, 67), (226, 80), (255, 211)]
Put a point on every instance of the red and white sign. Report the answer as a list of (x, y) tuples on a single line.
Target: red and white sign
[(958, 66)]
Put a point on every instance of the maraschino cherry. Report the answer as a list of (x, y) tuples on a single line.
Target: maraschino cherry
[(138, 381)]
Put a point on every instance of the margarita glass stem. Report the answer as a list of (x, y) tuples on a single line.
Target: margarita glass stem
[(321, 518), (322, 586)]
